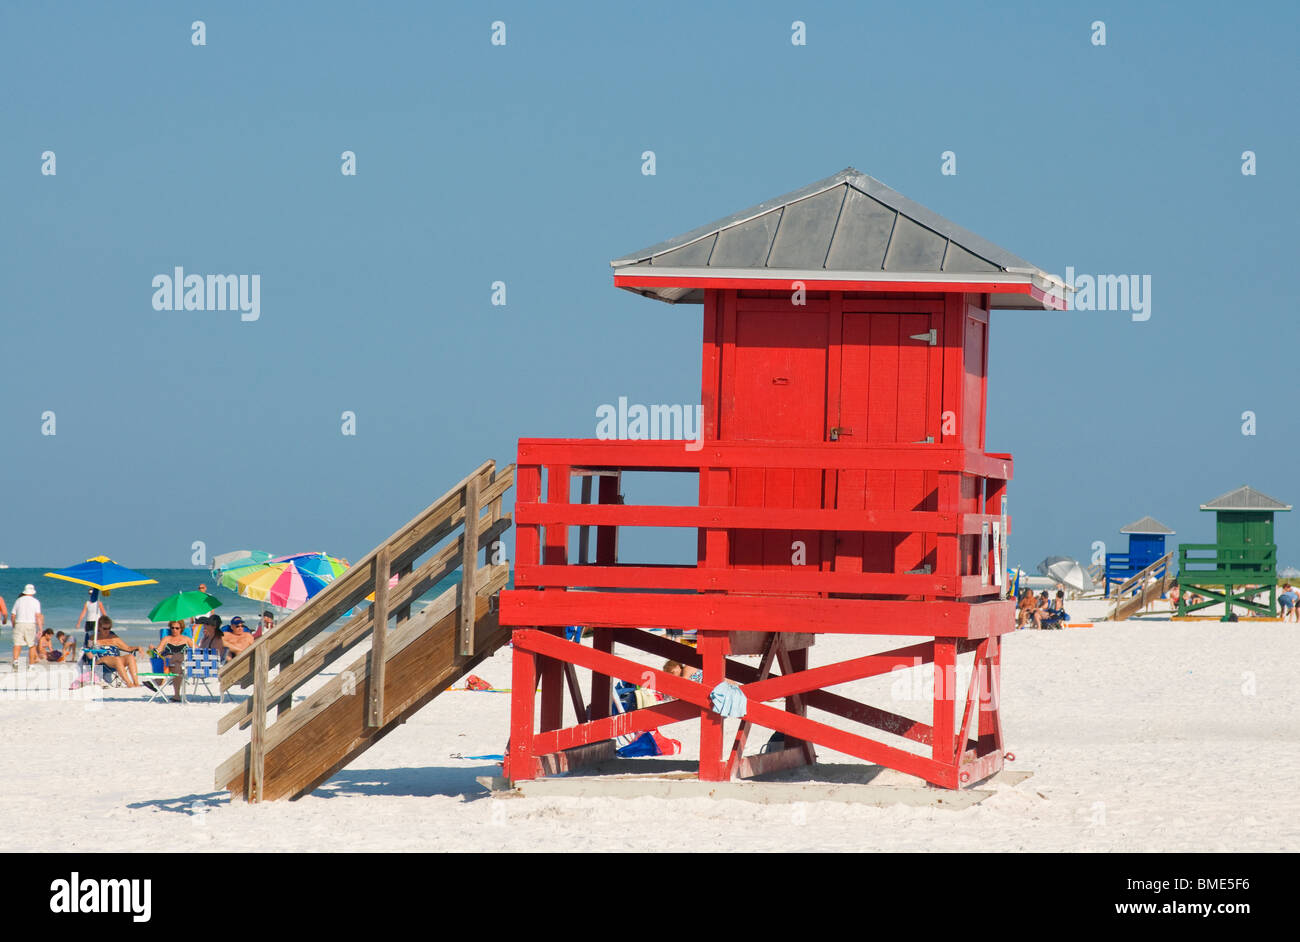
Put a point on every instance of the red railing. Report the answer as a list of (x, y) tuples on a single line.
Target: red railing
[(966, 527)]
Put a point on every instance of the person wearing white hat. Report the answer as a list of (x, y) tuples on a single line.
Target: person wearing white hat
[(28, 620)]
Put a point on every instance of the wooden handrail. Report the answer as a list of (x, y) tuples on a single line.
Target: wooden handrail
[(1140, 578), (460, 508), (414, 539), (359, 626)]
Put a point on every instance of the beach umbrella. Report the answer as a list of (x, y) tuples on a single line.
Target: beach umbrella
[(321, 565), (230, 578), (1067, 572), (184, 605), (238, 558), (280, 584), (101, 573)]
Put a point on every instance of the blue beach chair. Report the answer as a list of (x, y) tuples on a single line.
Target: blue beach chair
[(201, 666)]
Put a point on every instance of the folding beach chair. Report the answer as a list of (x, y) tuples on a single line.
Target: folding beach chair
[(201, 666)]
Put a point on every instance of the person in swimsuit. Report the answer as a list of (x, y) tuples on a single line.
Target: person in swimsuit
[(172, 650), (238, 640), (45, 647), (1027, 610), (66, 645), (119, 655), (211, 636)]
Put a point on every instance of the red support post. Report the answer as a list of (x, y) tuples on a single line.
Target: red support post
[(990, 722), (602, 639), (945, 682), (555, 552), (523, 701), (713, 766)]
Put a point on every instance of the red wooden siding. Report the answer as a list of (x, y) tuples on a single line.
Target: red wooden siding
[(855, 369)]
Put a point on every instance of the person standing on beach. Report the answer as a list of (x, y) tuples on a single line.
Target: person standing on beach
[(4, 612), (28, 620), (199, 618), (90, 612)]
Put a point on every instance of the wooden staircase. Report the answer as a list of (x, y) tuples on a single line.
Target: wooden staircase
[(1146, 591), (407, 664)]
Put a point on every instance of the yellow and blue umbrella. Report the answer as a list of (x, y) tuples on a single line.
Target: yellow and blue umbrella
[(101, 573)]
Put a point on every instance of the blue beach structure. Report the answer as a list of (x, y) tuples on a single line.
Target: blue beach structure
[(1146, 545)]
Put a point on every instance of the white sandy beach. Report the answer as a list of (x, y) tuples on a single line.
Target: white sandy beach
[(1141, 736)]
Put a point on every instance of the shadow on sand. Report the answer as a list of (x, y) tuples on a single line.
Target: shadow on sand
[(448, 781), (195, 804)]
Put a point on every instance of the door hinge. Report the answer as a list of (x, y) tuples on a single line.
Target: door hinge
[(931, 337), (928, 440)]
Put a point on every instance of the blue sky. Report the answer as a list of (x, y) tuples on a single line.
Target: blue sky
[(521, 163)]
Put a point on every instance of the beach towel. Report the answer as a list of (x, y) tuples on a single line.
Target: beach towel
[(650, 744), (646, 697), (728, 699)]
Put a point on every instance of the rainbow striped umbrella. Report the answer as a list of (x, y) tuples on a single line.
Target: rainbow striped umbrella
[(321, 565), (230, 578), (281, 584)]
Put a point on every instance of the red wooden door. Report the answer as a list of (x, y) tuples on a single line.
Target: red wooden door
[(778, 393), (888, 393)]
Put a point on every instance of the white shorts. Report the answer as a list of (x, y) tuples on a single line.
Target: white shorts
[(25, 634)]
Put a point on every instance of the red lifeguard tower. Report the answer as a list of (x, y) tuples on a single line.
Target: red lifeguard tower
[(844, 488)]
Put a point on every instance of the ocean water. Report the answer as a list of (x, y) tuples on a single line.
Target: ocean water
[(129, 608)]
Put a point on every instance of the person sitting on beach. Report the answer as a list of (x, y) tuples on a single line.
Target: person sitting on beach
[(1027, 609), (45, 647), (1056, 611), (172, 650), (677, 669), (238, 640), (118, 655), (1043, 610), (67, 647), (268, 625), (212, 636)]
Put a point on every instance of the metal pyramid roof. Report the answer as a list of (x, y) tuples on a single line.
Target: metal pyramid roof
[(1146, 525), (850, 224), (1245, 498)]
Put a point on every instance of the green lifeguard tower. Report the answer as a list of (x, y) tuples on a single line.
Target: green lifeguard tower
[(1242, 562)]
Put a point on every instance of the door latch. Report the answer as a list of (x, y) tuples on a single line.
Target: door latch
[(837, 431)]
